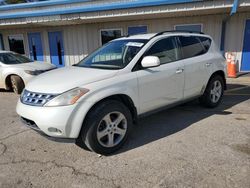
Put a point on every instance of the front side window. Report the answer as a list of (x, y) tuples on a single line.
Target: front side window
[(114, 55), (10, 59), (191, 46), (110, 34), (16, 43), (165, 49)]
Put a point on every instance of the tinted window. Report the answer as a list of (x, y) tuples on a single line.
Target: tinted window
[(9, 58), (137, 30), (192, 27), (165, 49), (206, 42), (108, 35), (16, 44), (191, 46)]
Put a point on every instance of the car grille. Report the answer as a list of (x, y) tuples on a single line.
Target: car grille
[(35, 99)]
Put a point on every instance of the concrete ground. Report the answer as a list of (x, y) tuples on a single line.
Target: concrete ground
[(186, 146)]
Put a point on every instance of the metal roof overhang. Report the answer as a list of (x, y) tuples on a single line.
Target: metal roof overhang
[(89, 8), (39, 4)]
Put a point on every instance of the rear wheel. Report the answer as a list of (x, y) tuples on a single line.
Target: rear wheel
[(213, 93), (17, 84), (106, 128)]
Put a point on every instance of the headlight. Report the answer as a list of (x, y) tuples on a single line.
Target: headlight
[(68, 98), (34, 73)]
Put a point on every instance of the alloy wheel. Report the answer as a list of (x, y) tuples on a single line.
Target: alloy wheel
[(216, 91), (112, 129), (14, 86)]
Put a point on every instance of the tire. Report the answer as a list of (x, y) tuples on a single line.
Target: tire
[(100, 132), (17, 84), (214, 92)]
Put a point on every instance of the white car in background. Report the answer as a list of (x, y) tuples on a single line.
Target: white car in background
[(98, 100), (16, 70)]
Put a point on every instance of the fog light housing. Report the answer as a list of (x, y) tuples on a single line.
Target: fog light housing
[(54, 130)]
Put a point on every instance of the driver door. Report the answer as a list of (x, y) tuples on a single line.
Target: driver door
[(162, 85)]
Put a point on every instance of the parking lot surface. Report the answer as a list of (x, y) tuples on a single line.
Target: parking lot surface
[(186, 146)]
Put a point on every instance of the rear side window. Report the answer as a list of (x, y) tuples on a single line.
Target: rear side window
[(191, 46), (206, 42), (165, 49)]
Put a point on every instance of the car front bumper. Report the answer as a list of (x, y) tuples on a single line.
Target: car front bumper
[(59, 122), (32, 125)]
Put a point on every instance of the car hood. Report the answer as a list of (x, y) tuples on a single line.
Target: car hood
[(34, 66), (63, 79)]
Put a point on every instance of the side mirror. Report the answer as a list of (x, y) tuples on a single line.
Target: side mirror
[(150, 61)]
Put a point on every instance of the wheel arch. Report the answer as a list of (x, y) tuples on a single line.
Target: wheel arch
[(8, 81), (123, 98), (222, 74)]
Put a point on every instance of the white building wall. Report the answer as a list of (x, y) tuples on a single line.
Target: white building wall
[(80, 40)]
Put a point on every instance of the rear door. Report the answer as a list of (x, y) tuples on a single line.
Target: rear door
[(196, 64), (162, 85)]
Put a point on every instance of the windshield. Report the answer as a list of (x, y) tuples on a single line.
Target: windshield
[(11, 58), (114, 55)]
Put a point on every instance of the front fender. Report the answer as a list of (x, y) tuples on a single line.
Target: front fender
[(126, 84), (120, 85)]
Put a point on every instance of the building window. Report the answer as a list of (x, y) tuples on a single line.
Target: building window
[(16, 44), (137, 30), (189, 27), (110, 34), (1, 42)]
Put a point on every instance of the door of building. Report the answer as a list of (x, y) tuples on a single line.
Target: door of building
[(35, 46), (1, 42), (245, 63), (56, 48)]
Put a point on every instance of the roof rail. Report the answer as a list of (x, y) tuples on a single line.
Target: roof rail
[(178, 31)]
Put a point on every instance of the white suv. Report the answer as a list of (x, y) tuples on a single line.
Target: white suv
[(97, 101)]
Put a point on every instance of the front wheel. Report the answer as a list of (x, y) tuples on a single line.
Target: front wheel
[(213, 93), (17, 84), (106, 128)]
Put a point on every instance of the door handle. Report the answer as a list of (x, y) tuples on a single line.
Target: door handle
[(179, 71), (208, 64)]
